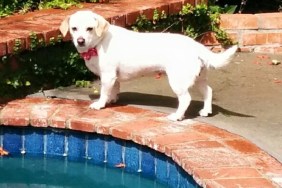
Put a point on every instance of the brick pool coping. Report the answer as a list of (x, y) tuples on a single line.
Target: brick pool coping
[(214, 157)]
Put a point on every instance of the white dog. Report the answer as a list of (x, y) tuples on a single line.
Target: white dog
[(117, 54)]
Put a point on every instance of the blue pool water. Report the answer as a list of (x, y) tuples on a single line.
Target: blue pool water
[(27, 171), (72, 158)]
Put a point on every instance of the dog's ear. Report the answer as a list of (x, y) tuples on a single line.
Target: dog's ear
[(64, 27), (102, 25)]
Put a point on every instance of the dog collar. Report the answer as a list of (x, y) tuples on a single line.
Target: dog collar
[(89, 54)]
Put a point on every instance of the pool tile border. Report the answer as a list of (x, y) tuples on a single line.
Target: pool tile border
[(214, 157)]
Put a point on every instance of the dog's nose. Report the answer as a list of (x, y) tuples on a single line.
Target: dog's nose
[(81, 41)]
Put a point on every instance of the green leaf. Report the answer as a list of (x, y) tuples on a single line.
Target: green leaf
[(230, 9), (27, 83)]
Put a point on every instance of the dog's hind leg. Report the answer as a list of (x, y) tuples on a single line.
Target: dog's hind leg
[(179, 83), (206, 91), (184, 100)]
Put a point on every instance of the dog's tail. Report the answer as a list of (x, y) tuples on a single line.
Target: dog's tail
[(217, 60)]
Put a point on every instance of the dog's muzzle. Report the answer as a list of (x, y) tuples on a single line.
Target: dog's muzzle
[(81, 41)]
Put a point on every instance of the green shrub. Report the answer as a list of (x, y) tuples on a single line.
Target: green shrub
[(43, 68), (191, 21)]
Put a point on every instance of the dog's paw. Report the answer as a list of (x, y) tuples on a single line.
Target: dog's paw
[(205, 113), (175, 117), (96, 105)]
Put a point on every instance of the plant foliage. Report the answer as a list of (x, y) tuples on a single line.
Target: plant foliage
[(43, 67), (191, 21)]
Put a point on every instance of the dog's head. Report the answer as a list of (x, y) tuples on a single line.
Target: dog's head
[(86, 29)]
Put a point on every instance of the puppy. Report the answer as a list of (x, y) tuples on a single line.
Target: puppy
[(117, 54)]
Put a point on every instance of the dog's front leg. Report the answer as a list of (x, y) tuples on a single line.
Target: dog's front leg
[(107, 83), (114, 94)]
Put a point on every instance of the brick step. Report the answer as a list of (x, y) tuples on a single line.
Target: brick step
[(45, 23)]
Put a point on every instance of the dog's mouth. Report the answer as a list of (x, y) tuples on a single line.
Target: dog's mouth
[(81, 45), (81, 49)]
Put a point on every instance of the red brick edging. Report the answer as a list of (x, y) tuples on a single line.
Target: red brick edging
[(214, 157)]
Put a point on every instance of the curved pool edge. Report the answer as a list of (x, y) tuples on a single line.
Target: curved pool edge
[(214, 157)]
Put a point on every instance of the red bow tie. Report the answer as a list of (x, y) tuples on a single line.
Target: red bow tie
[(90, 53)]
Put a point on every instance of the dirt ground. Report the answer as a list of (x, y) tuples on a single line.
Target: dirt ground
[(247, 98)]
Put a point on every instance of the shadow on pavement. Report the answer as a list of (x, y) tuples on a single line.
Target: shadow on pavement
[(152, 100)]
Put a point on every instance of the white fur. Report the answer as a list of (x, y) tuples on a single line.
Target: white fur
[(124, 54)]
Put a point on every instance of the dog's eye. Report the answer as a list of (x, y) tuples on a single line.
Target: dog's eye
[(74, 29), (89, 29)]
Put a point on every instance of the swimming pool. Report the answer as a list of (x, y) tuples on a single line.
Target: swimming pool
[(84, 150), (27, 171)]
